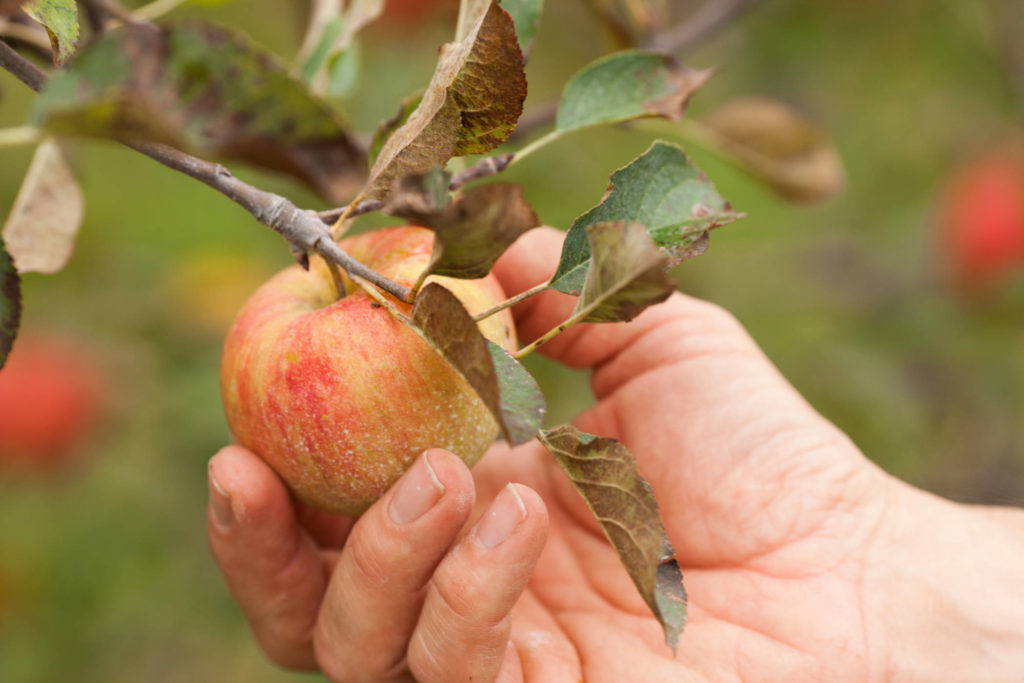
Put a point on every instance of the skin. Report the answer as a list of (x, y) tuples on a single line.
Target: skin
[(338, 396), (803, 561)]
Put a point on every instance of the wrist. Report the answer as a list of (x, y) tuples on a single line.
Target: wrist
[(942, 587)]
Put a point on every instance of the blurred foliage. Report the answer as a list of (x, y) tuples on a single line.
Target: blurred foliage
[(105, 574)]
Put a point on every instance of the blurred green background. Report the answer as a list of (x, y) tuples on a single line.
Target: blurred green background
[(104, 569)]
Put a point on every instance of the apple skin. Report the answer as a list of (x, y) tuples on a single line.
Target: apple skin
[(51, 398), (983, 219), (337, 396)]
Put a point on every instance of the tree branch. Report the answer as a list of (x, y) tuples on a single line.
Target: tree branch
[(304, 230), (712, 16), (485, 168)]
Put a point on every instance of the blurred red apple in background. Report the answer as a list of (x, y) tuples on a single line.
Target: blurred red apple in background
[(51, 392), (982, 214), (409, 11), (337, 395)]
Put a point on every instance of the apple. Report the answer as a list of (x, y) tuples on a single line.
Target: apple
[(51, 395), (983, 219), (413, 11), (337, 395)]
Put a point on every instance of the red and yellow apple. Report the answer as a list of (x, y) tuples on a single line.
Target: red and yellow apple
[(337, 395)]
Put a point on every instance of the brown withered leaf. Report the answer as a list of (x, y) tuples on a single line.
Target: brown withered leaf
[(470, 107), (206, 89), (387, 127), (47, 213), (626, 275), (473, 231), (783, 148), (9, 7), (505, 387), (605, 474)]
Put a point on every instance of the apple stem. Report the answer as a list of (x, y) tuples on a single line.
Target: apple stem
[(339, 282), (522, 296)]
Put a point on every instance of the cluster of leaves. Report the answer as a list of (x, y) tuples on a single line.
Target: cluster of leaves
[(210, 91)]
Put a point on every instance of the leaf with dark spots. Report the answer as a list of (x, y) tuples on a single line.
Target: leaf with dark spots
[(627, 274), (10, 303), (606, 476), (470, 107), (208, 90), (471, 232), (662, 190), (628, 85), (386, 127), (60, 19), (505, 387), (776, 144), (47, 213)]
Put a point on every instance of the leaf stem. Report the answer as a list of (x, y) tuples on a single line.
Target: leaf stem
[(549, 335), (522, 296), (534, 146), (22, 135)]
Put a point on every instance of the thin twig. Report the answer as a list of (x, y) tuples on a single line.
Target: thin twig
[(24, 70), (331, 216), (304, 230), (27, 34), (712, 16), (485, 168), (157, 9)]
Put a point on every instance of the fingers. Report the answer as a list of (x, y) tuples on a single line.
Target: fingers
[(271, 565), (378, 586), (463, 631)]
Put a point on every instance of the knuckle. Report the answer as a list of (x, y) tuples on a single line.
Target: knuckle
[(468, 601), (368, 563)]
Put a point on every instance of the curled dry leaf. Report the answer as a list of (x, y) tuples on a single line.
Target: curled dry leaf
[(606, 476), (471, 232), (9, 7), (60, 19), (505, 386), (470, 107), (387, 127), (627, 274), (47, 213), (204, 88), (786, 150)]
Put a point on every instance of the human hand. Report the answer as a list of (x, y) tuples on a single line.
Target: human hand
[(794, 547)]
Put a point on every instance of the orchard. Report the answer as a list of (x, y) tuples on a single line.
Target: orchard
[(279, 222)]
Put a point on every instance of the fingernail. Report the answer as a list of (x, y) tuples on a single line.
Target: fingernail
[(220, 501), (417, 492), (501, 519)]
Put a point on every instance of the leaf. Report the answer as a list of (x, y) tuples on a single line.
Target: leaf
[(628, 85), (60, 19), (627, 274), (10, 304), (47, 213), (208, 90), (526, 16), (505, 387), (470, 107), (790, 153), (605, 474), (473, 231), (388, 126), (662, 190), (9, 7), (329, 54)]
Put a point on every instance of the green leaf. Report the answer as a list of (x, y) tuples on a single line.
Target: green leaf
[(47, 213), (470, 107), (386, 128), (627, 85), (10, 303), (317, 58), (605, 474), (626, 276), (505, 387), (779, 146), (343, 71), (473, 231), (60, 19), (204, 89), (526, 16), (662, 190), (329, 56)]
